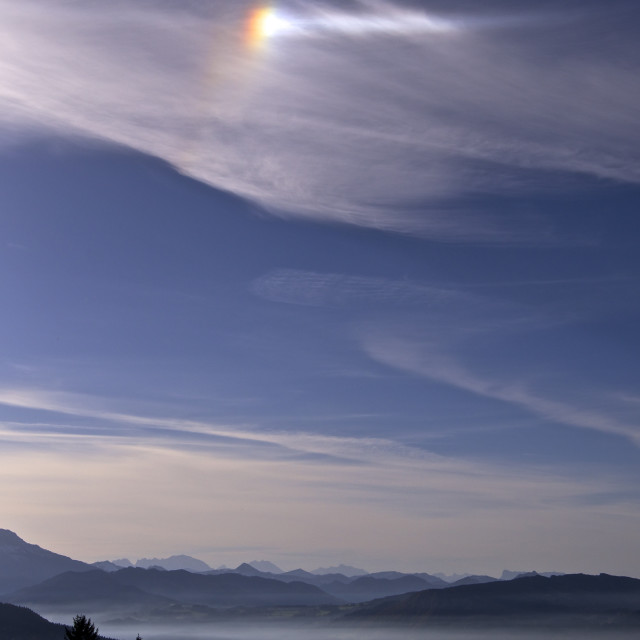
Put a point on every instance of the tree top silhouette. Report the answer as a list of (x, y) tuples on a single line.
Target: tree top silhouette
[(83, 629)]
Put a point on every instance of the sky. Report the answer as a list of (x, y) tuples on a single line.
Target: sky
[(322, 282)]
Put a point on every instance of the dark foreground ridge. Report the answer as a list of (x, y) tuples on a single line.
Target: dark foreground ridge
[(20, 623), (580, 598)]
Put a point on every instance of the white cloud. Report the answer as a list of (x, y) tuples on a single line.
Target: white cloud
[(339, 128)]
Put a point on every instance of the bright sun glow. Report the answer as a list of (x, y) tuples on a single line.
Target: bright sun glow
[(274, 24), (265, 23)]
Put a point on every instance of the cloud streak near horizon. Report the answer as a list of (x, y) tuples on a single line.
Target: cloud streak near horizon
[(374, 486), (392, 131)]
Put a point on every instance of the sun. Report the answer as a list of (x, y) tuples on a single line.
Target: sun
[(265, 23)]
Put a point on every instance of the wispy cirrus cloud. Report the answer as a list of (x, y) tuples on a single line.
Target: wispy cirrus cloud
[(103, 427), (387, 131), (426, 360), (424, 329), (155, 483)]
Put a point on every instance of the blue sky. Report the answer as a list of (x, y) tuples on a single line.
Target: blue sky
[(363, 290)]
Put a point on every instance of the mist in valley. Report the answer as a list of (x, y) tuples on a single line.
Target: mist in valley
[(302, 632), (336, 630)]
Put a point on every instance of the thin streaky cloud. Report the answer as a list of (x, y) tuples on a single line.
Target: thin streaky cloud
[(413, 496), (343, 449), (403, 466), (427, 362), (399, 460)]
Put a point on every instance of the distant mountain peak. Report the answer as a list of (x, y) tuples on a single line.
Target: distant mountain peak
[(510, 575), (23, 564), (344, 569), (9, 538), (122, 562), (528, 574), (173, 563), (265, 566), (245, 569), (452, 577)]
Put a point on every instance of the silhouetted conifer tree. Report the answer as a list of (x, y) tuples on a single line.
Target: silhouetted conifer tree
[(83, 629)]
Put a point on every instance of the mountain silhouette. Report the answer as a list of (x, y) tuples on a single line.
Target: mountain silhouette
[(106, 565), (343, 569), (135, 588), (474, 579), (246, 569), (174, 563), (225, 589), (368, 588), (536, 596), (266, 566), (296, 575), (87, 590), (349, 588), (20, 623), (23, 564), (432, 581)]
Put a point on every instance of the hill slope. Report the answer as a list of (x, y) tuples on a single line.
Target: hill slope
[(19, 623), (571, 595), (87, 591), (23, 564), (142, 589), (227, 589), (368, 588)]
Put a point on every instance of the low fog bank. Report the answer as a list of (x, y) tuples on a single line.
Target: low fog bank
[(294, 631), (333, 628)]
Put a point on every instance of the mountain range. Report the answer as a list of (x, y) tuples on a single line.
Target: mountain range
[(24, 565), (32, 575), (134, 589), (172, 563), (50, 582)]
